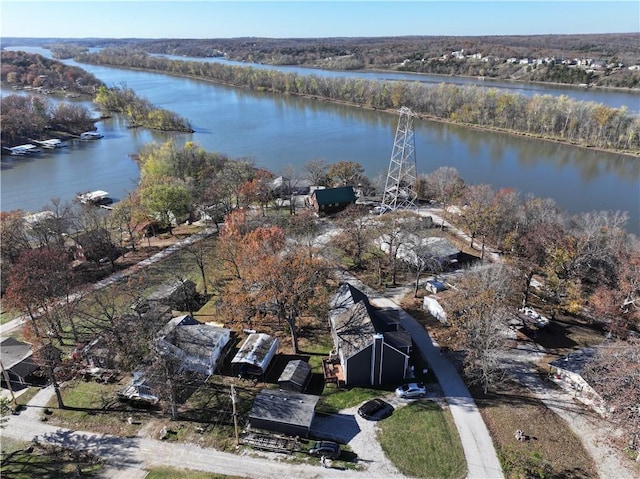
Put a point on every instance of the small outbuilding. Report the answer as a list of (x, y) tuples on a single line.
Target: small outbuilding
[(296, 376), (255, 355), (286, 412)]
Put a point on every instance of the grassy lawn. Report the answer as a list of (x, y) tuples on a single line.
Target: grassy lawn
[(6, 316), (421, 440), (169, 473), (94, 407)]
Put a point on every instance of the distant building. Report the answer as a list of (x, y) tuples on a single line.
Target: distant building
[(332, 200)]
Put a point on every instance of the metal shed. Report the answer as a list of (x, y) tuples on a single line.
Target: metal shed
[(287, 412), (255, 355), (296, 376)]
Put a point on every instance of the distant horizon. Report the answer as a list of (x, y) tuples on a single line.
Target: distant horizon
[(315, 38), (213, 19)]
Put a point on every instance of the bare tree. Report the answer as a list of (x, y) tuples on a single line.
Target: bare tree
[(479, 313), (355, 236), (540, 223), (423, 258), (615, 376), (316, 172), (393, 231), (445, 184)]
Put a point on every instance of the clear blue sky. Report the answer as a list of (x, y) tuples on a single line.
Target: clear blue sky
[(295, 19)]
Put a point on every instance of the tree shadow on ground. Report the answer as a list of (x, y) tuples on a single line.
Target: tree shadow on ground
[(119, 451), (49, 462)]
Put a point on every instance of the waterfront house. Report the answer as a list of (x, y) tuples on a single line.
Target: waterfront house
[(370, 346), (332, 200)]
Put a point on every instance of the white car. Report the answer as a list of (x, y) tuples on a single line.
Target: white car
[(411, 390)]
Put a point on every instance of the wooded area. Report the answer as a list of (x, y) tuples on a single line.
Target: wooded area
[(409, 53), (543, 116)]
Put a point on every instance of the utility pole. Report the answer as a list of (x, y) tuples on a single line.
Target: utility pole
[(8, 381), (234, 400), (399, 190)]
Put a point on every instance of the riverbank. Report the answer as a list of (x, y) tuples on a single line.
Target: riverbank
[(422, 116)]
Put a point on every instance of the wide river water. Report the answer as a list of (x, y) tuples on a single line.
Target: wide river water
[(280, 133)]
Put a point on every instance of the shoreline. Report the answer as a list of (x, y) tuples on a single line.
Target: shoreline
[(424, 117)]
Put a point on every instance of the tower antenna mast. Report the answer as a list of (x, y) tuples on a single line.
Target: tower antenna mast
[(399, 190)]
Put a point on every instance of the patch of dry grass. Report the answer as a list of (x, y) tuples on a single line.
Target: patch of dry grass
[(551, 450)]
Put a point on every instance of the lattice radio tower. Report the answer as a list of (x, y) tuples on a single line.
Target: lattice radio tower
[(399, 190)]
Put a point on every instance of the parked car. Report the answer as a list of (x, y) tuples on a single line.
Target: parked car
[(329, 449), (375, 409), (411, 390)]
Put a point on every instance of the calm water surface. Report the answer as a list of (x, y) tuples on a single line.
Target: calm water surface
[(280, 132)]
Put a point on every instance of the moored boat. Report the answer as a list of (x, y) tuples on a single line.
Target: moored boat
[(22, 150), (91, 135), (53, 143), (98, 198)]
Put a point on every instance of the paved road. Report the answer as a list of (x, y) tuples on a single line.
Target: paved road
[(479, 452)]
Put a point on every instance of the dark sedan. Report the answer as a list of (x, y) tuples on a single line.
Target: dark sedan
[(328, 449), (375, 409)]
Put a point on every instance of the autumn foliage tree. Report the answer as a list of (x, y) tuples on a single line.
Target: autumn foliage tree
[(268, 277), (38, 282)]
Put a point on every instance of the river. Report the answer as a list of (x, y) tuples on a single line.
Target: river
[(278, 132)]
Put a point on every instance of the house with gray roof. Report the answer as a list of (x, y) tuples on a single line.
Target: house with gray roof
[(200, 347), (371, 347)]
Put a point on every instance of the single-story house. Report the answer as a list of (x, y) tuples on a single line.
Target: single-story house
[(296, 376), (567, 371), (417, 249), (371, 347), (255, 355), (17, 360), (332, 200), (282, 186), (200, 347), (176, 294), (287, 412)]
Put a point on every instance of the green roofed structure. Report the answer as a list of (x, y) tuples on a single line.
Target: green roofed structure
[(332, 200)]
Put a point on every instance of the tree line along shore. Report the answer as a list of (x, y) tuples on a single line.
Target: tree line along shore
[(547, 117)]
